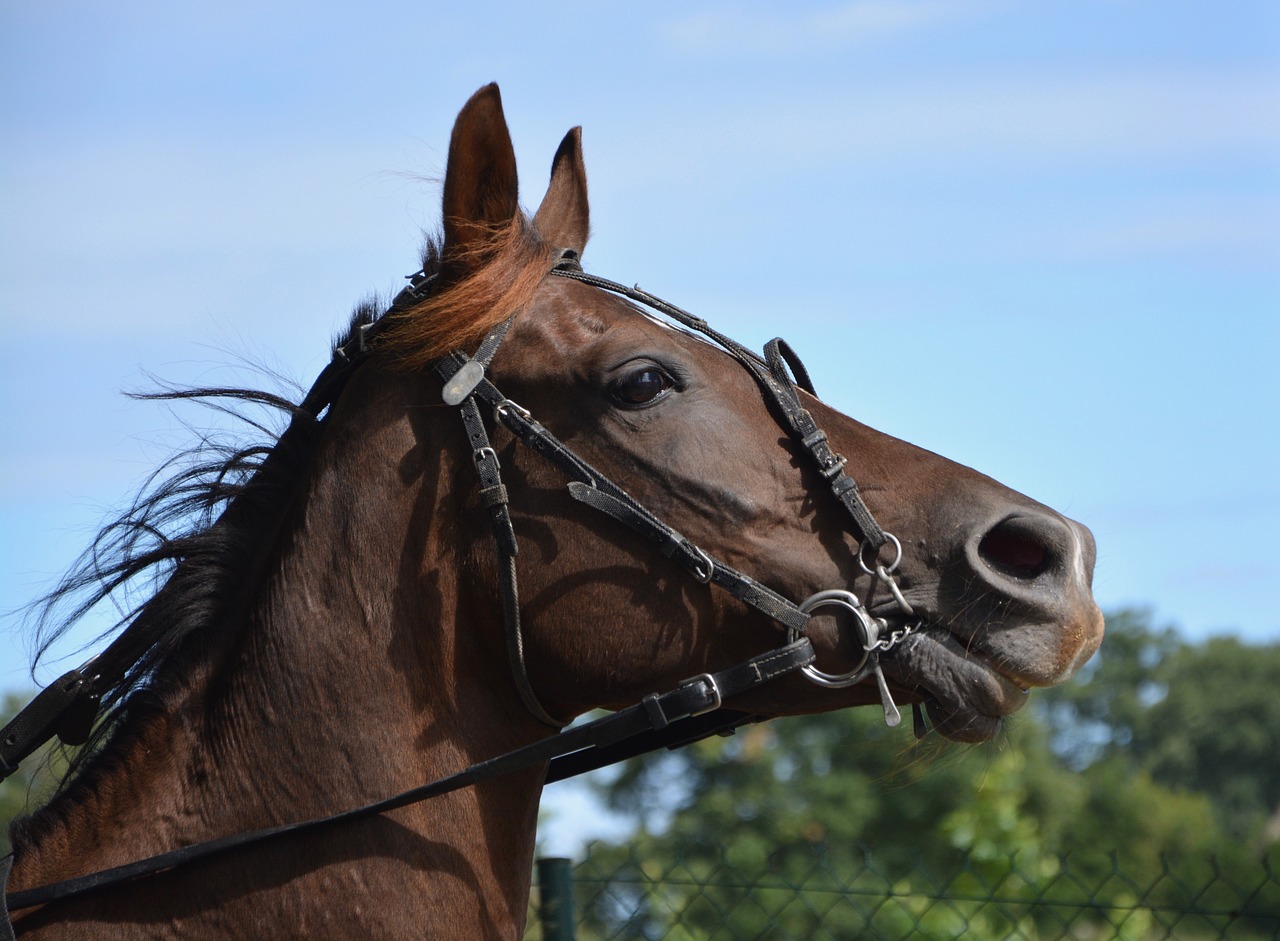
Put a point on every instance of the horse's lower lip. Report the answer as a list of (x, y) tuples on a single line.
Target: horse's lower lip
[(967, 691)]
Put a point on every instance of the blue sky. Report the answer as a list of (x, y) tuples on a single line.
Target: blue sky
[(1040, 238)]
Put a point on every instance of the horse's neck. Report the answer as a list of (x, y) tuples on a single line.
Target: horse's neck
[(354, 680)]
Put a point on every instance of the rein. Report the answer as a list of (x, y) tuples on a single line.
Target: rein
[(689, 712), (670, 720)]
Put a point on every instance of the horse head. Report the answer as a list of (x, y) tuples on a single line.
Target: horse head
[(988, 590)]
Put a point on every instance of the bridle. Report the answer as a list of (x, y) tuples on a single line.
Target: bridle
[(466, 386), (685, 714)]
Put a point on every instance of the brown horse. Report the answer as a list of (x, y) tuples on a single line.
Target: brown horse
[(335, 632)]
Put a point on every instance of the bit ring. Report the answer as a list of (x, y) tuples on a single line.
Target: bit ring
[(868, 625)]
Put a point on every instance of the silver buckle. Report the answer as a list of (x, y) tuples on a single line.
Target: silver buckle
[(712, 687)]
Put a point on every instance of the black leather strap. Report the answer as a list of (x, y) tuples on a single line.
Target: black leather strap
[(622, 506), (805, 431), (66, 708), (465, 385), (460, 376), (621, 735), (697, 561), (6, 925), (771, 375)]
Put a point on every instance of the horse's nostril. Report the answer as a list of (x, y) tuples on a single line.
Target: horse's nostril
[(1015, 550)]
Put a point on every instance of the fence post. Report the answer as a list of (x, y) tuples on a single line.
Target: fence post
[(555, 898)]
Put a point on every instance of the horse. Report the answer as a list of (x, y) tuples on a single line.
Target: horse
[(345, 621)]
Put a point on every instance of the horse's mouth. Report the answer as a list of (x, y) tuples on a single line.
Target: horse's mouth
[(966, 692)]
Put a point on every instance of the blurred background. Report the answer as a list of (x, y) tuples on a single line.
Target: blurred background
[(1041, 238)]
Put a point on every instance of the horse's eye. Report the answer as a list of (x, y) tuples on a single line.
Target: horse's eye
[(642, 386)]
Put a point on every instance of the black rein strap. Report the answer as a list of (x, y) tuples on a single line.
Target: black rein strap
[(670, 719)]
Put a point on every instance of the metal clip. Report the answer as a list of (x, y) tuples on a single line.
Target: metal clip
[(835, 466), (463, 382), (702, 574), (867, 626)]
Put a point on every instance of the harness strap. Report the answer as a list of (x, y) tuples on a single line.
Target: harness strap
[(465, 385), (805, 430), (777, 351), (657, 720), (609, 498), (66, 708), (460, 380), (493, 494), (6, 925), (773, 379), (613, 500), (704, 566)]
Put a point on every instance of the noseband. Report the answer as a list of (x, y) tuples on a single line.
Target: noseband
[(672, 719)]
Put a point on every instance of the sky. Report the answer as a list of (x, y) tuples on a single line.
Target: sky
[(1040, 238)]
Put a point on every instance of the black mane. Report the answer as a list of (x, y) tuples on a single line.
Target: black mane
[(182, 561)]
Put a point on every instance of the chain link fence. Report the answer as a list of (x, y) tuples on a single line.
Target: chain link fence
[(704, 895)]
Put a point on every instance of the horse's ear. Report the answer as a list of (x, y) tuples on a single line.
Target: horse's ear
[(481, 191), (564, 218)]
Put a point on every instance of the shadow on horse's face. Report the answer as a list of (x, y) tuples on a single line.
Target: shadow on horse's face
[(1000, 582)]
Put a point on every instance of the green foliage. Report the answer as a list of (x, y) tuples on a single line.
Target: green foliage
[(1142, 789), (1106, 704), (1222, 704), (1138, 790), (1197, 718)]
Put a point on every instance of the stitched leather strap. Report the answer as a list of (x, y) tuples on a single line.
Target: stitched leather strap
[(460, 376), (612, 499), (623, 734), (66, 708), (675, 546), (779, 391)]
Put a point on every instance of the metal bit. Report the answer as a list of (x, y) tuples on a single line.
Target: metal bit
[(892, 717)]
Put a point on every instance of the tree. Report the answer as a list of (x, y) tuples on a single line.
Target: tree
[(805, 827), (1105, 704), (1217, 731), (833, 825), (1197, 718)]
